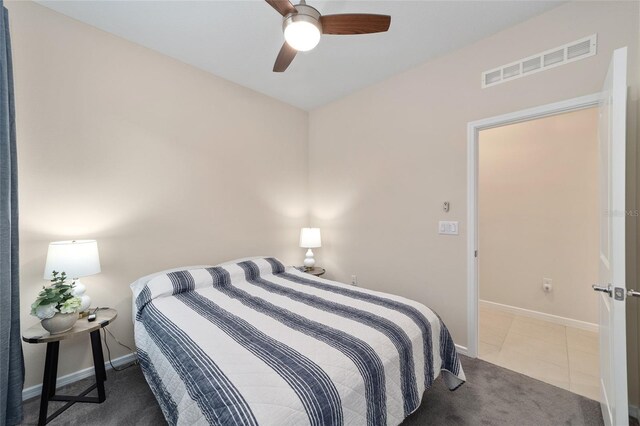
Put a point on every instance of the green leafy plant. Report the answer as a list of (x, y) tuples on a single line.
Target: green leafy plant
[(57, 297)]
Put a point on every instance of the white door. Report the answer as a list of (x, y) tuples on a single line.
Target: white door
[(612, 286)]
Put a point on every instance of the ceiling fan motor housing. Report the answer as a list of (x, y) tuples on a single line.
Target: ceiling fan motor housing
[(304, 13)]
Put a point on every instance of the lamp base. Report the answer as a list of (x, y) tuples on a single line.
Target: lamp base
[(309, 261), (78, 291)]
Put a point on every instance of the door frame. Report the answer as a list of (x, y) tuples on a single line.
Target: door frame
[(473, 132)]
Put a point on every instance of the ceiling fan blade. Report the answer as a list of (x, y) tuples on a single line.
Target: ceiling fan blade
[(354, 23), (286, 55), (284, 7)]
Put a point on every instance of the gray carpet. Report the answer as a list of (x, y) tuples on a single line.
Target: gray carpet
[(491, 396)]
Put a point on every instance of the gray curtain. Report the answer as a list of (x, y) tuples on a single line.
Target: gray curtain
[(11, 360)]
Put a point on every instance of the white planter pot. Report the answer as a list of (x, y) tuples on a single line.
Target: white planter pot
[(59, 323)]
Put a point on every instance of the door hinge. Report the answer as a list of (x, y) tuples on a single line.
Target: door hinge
[(475, 253)]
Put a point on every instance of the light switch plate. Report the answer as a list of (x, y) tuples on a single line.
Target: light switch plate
[(447, 227)]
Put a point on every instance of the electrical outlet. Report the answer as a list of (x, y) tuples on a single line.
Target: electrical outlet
[(354, 280), (547, 285)]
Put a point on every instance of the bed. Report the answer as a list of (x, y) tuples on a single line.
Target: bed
[(258, 343)]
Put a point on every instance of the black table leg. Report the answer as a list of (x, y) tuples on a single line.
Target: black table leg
[(48, 380), (98, 362), (54, 368)]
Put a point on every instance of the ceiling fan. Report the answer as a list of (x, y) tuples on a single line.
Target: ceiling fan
[(303, 25)]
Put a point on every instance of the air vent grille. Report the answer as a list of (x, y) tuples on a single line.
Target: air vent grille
[(551, 58), (531, 65), (493, 77), (512, 71), (579, 49)]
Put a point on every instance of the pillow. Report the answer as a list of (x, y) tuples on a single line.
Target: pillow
[(162, 283), (137, 286), (254, 266)]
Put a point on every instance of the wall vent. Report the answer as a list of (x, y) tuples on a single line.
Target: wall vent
[(551, 58)]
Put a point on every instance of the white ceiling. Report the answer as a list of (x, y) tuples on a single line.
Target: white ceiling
[(239, 39)]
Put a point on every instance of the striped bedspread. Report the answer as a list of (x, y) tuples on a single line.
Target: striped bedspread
[(258, 343)]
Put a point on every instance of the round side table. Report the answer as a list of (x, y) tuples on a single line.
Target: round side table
[(36, 334), (316, 271)]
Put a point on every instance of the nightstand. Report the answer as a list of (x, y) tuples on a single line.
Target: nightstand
[(37, 334), (316, 271)]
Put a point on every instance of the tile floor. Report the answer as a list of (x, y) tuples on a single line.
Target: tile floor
[(566, 357)]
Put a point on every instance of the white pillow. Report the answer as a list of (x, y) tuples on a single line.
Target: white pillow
[(141, 282), (138, 284)]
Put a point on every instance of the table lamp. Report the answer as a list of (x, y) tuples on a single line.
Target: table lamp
[(310, 238), (77, 258)]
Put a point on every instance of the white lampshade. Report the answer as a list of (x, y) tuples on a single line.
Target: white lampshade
[(78, 258), (310, 238)]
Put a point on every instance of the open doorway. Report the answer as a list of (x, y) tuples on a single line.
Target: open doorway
[(538, 232), (611, 287)]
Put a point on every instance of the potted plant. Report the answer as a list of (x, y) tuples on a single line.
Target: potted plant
[(56, 305)]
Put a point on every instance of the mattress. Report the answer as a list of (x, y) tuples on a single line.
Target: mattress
[(258, 343)]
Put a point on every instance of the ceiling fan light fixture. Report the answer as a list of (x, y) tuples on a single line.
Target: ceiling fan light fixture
[(302, 30), (303, 26)]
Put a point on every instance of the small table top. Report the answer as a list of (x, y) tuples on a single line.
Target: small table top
[(37, 334), (314, 271)]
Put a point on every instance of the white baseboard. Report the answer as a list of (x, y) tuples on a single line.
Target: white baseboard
[(583, 325), (32, 391), (634, 412), (462, 350)]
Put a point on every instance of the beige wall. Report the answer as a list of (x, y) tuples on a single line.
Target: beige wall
[(163, 164), (538, 214), (385, 158)]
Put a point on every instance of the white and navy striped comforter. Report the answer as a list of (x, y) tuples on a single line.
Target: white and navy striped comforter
[(255, 343)]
